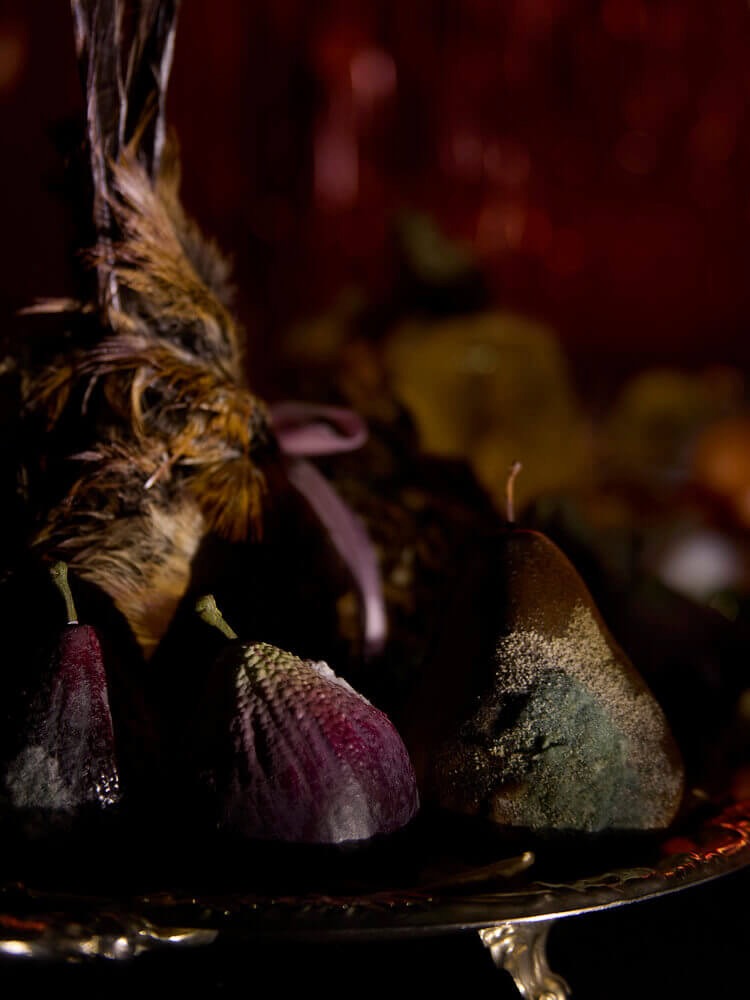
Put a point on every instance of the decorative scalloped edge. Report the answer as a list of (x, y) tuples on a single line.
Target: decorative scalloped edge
[(36, 923)]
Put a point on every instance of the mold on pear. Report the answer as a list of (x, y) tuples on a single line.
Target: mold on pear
[(558, 731)]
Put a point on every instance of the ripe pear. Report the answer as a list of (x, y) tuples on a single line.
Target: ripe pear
[(554, 730)]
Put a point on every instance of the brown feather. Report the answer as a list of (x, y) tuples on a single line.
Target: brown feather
[(137, 544), (155, 407)]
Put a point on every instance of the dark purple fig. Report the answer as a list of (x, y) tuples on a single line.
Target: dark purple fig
[(301, 757), (66, 754)]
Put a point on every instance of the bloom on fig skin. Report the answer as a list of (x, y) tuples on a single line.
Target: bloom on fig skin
[(310, 760), (67, 756)]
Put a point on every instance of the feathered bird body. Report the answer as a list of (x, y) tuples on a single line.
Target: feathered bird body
[(152, 410)]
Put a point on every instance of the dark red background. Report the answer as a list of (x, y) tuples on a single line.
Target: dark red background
[(596, 155)]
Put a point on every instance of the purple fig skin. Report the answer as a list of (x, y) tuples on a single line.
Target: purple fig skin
[(311, 760), (68, 755)]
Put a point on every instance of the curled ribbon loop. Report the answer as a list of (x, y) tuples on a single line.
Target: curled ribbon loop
[(307, 430)]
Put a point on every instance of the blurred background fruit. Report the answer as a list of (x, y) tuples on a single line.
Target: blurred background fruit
[(492, 387), (593, 157)]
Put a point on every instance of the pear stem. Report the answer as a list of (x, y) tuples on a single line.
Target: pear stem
[(59, 574), (207, 609), (510, 508)]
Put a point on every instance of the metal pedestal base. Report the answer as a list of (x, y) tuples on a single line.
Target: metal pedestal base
[(520, 949)]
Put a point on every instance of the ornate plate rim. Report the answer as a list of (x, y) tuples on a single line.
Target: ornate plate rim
[(37, 924)]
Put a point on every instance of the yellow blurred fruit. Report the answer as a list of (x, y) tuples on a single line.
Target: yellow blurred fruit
[(721, 462), (492, 387), (657, 416)]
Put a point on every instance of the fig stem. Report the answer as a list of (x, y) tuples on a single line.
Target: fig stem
[(208, 610), (510, 508), (59, 574)]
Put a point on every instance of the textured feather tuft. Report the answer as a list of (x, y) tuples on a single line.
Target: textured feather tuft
[(166, 437)]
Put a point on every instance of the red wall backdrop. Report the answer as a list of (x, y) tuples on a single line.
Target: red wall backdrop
[(596, 156)]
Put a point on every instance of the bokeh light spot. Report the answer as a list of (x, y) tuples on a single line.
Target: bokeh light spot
[(373, 75), (713, 137), (14, 48), (507, 163)]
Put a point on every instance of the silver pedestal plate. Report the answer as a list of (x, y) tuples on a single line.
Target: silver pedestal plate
[(510, 910)]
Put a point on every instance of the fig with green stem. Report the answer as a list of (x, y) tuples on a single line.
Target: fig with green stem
[(299, 756), (66, 757)]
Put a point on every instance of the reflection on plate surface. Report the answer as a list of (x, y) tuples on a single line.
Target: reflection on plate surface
[(39, 922)]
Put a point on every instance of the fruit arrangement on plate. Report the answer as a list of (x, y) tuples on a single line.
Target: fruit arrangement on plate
[(414, 669)]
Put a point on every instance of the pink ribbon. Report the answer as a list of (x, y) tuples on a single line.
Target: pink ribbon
[(307, 430)]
